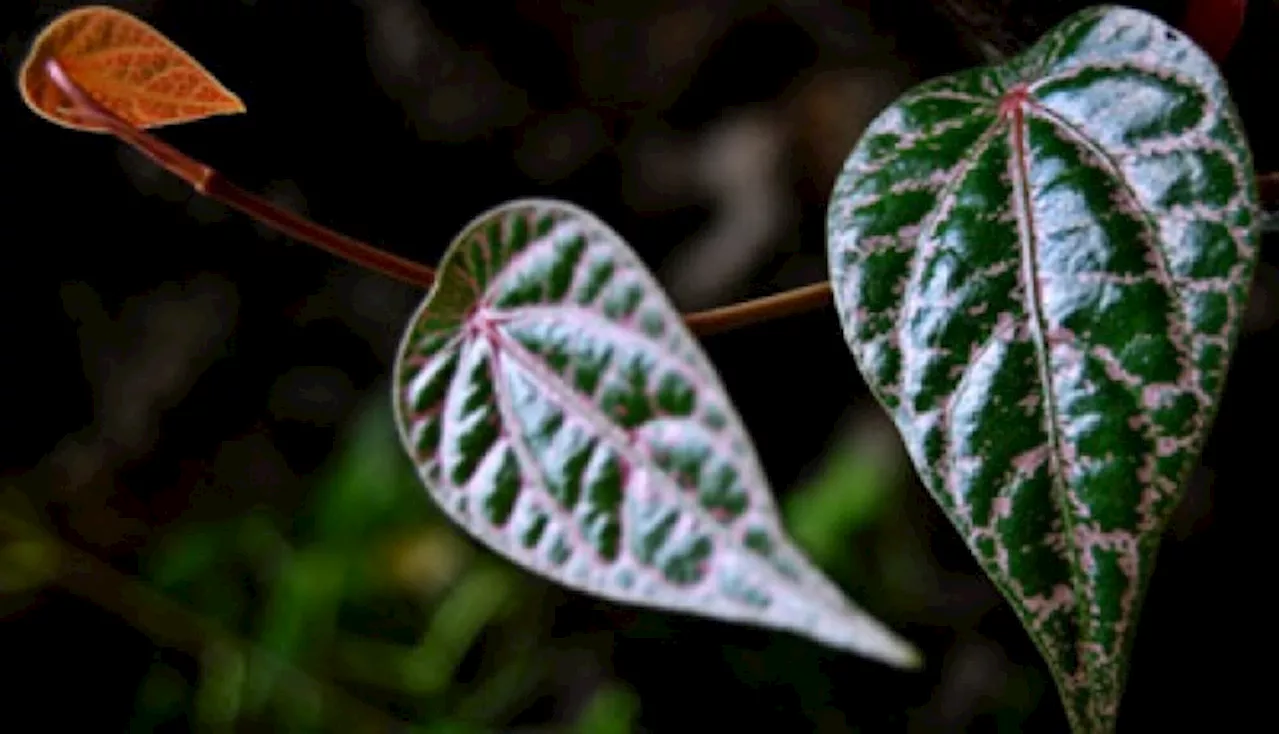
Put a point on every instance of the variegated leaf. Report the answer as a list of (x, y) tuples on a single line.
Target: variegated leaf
[(557, 408), (1040, 268)]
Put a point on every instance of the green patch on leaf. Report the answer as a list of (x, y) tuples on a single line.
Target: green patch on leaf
[(1040, 268)]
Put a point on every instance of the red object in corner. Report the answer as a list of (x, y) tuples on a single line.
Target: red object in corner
[(1214, 25)]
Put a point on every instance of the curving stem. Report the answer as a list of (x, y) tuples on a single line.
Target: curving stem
[(207, 181), (774, 306)]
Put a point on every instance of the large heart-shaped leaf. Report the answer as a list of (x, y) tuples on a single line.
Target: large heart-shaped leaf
[(556, 407), (1040, 268)]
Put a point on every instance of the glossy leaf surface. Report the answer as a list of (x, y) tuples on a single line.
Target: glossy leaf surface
[(1040, 269), (557, 408), (123, 64)]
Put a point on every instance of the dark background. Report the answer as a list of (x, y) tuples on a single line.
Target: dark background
[(201, 404)]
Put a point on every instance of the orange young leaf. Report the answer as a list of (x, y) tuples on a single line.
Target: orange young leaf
[(123, 64)]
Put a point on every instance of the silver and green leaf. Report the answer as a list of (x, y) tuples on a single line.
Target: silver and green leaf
[(557, 408), (1040, 268)]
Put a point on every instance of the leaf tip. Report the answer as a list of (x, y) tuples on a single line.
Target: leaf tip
[(864, 635), (896, 652), (912, 658)]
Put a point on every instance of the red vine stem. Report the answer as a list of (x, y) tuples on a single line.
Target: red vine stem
[(207, 181), (777, 305)]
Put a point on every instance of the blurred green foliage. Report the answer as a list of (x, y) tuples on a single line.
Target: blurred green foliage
[(367, 610), (849, 493), (849, 517), (27, 561), (367, 585)]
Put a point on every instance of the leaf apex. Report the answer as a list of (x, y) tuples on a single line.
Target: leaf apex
[(862, 634)]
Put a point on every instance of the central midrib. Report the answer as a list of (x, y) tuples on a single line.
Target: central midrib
[(615, 437), (1037, 327)]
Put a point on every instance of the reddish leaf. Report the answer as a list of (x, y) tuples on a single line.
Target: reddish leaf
[(123, 64), (1214, 25)]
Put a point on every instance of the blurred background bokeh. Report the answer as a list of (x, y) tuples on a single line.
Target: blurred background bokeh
[(206, 521)]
